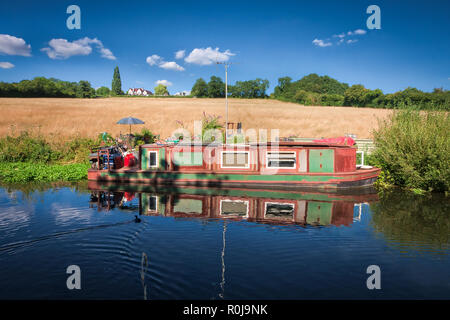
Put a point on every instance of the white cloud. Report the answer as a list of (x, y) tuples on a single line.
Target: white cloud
[(342, 35), (180, 54), (154, 59), (14, 46), (321, 43), (359, 31), (356, 32), (63, 49), (164, 82), (6, 65), (171, 66), (207, 56), (159, 61)]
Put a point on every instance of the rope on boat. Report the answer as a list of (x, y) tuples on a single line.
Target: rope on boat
[(58, 234)]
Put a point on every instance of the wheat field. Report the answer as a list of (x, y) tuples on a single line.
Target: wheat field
[(59, 119)]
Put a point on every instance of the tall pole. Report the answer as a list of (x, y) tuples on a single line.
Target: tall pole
[(226, 64), (226, 101)]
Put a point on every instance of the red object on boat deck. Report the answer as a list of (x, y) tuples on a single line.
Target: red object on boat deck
[(129, 196), (129, 160), (340, 140)]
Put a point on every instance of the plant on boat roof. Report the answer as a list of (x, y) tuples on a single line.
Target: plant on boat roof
[(146, 136)]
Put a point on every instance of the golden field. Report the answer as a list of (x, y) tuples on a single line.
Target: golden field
[(59, 118)]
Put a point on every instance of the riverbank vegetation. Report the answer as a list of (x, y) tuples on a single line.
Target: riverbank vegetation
[(31, 158), (413, 150)]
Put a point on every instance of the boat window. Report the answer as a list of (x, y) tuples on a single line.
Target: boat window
[(152, 203), (235, 208), (188, 206), (235, 159), (153, 159), (188, 158), (280, 159), (279, 210)]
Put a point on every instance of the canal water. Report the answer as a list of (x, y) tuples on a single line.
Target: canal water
[(138, 243)]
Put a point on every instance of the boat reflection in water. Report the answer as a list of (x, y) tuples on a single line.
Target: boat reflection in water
[(263, 206)]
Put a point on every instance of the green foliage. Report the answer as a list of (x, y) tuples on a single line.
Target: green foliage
[(103, 92), (29, 148), (85, 90), (216, 87), (161, 90), (43, 87), (210, 123), (200, 88), (25, 148), (29, 172), (331, 100), (311, 83), (146, 136), (413, 150), (250, 89), (325, 91), (116, 86)]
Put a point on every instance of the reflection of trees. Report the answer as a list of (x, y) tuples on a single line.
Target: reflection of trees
[(413, 220)]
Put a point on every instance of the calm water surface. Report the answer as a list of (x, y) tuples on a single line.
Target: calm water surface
[(221, 244)]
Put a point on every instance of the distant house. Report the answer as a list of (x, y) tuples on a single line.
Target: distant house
[(139, 92), (182, 93)]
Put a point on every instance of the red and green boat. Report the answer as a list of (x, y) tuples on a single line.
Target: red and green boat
[(280, 165)]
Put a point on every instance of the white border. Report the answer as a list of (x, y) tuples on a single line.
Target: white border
[(221, 159), (157, 157), (231, 200), (148, 200), (291, 168)]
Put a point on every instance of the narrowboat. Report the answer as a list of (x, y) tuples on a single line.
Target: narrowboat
[(274, 165)]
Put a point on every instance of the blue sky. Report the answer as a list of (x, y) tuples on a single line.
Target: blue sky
[(267, 39)]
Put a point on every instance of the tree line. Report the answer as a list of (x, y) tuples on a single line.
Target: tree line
[(326, 91), (311, 90), (55, 88), (51, 88), (215, 88)]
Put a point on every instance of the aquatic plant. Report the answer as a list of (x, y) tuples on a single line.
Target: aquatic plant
[(19, 172)]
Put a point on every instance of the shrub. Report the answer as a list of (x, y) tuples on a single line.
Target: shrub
[(146, 136), (413, 149), (25, 148), (331, 100)]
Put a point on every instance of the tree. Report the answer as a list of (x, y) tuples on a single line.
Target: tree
[(216, 87), (103, 91), (250, 89), (200, 88), (116, 86), (85, 90), (355, 95), (161, 90), (283, 84)]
